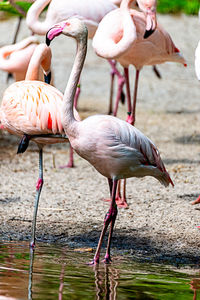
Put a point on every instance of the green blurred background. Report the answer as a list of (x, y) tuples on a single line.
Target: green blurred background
[(189, 7)]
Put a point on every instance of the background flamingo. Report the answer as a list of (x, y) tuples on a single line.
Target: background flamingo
[(197, 61), (197, 69), (115, 148), (32, 109), (15, 58), (120, 36), (91, 12)]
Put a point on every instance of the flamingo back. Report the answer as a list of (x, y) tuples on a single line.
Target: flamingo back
[(33, 108)]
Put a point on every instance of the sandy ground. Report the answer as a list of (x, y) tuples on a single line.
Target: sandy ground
[(161, 223)]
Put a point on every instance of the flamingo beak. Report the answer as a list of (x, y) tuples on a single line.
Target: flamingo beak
[(151, 23), (54, 31)]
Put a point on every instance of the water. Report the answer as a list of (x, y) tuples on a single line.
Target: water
[(56, 272)]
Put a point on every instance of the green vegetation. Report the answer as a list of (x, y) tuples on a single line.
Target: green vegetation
[(7, 7), (189, 7)]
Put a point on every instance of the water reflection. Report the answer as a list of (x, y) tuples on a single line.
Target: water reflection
[(106, 283), (52, 272)]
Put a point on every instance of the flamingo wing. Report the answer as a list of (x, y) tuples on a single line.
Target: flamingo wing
[(32, 107)]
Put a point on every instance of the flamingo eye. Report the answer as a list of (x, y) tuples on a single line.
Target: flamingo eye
[(67, 24)]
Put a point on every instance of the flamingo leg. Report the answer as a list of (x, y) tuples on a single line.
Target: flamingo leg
[(121, 200), (121, 82), (37, 197), (109, 219), (112, 74), (157, 72), (128, 93), (196, 201), (71, 159), (131, 118)]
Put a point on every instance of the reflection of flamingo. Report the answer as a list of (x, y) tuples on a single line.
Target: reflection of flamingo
[(106, 281), (120, 36), (15, 58), (114, 147), (32, 109)]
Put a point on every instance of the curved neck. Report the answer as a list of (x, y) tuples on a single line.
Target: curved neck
[(6, 63), (116, 44), (41, 57), (68, 120), (32, 17)]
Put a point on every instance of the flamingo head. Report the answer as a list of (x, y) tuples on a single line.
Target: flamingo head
[(72, 27), (149, 9)]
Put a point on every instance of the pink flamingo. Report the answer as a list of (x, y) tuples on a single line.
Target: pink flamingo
[(15, 58), (115, 148), (197, 70), (32, 109), (197, 61), (91, 12), (120, 36)]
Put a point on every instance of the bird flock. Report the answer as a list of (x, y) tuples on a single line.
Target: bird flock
[(35, 110)]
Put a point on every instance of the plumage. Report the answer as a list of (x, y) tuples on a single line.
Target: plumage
[(197, 61), (115, 148), (32, 109), (15, 58), (120, 36)]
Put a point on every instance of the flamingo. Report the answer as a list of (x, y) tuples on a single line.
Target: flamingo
[(197, 69), (91, 12), (112, 146), (31, 109), (119, 36), (197, 61), (15, 58)]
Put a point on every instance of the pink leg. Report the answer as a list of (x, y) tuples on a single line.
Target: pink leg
[(131, 118), (120, 200), (109, 219), (121, 82), (128, 93), (112, 74), (37, 197), (71, 159), (196, 201)]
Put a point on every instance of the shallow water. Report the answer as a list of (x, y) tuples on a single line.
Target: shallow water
[(56, 272)]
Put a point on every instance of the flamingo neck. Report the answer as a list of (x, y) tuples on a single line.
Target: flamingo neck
[(40, 58), (115, 45), (32, 17), (68, 119)]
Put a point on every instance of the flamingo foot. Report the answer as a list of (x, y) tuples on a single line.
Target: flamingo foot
[(107, 259), (130, 119), (69, 165), (121, 203), (94, 262), (196, 201)]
